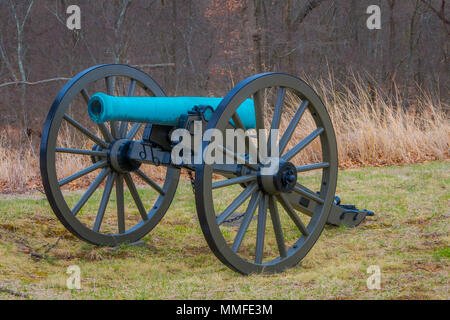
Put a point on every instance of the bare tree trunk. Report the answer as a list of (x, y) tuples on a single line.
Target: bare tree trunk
[(253, 9), (354, 21), (439, 13), (20, 59), (411, 48), (293, 25), (290, 27), (120, 45), (391, 47), (187, 37), (266, 62), (173, 47)]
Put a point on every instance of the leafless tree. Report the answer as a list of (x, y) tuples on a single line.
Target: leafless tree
[(20, 12), (205, 47)]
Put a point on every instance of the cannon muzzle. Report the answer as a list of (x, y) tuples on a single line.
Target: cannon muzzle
[(157, 110)]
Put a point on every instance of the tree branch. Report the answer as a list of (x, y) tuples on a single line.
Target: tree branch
[(441, 15), (157, 65), (33, 83), (306, 10), (27, 14), (5, 59)]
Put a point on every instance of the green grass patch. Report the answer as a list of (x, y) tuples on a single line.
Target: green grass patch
[(442, 253), (408, 239)]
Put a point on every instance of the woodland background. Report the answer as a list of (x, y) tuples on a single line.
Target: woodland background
[(387, 90)]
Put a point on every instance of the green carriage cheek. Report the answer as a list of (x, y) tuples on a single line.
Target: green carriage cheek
[(158, 110)]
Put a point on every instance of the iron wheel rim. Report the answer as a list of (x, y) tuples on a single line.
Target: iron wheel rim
[(203, 182), (48, 154)]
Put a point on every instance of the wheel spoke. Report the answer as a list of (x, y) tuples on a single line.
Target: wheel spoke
[(135, 195), (250, 147), (82, 152), (123, 129), (273, 208), (104, 202), (90, 191), (85, 95), (131, 88), (259, 119), (237, 121), (307, 193), (261, 231), (133, 131), (114, 129), (292, 125), (120, 204), (226, 170), (259, 110), (276, 117), (302, 144), (278, 108), (85, 131), (232, 181), (311, 167), (152, 183), (124, 124), (292, 214), (248, 216), (83, 172), (237, 203), (105, 132), (110, 84), (238, 158)]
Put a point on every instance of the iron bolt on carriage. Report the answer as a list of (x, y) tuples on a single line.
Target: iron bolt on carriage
[(126, 126)]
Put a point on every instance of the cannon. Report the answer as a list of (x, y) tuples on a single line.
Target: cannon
[(112, 126)]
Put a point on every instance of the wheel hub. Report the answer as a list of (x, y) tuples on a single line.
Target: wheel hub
[(282, 181), (118, 157)]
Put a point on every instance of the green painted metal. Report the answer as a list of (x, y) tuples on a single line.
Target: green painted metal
[(158, 110)]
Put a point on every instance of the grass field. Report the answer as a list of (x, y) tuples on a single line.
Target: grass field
[(408, 239)]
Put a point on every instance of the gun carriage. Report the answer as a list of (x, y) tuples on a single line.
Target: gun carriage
[(121, 130)]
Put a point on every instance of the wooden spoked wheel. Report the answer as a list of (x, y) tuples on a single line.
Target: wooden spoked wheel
[(255, 223), (77, 154)]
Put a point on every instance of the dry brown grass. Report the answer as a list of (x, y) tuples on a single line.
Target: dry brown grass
[(19, 164), (371, 130)]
